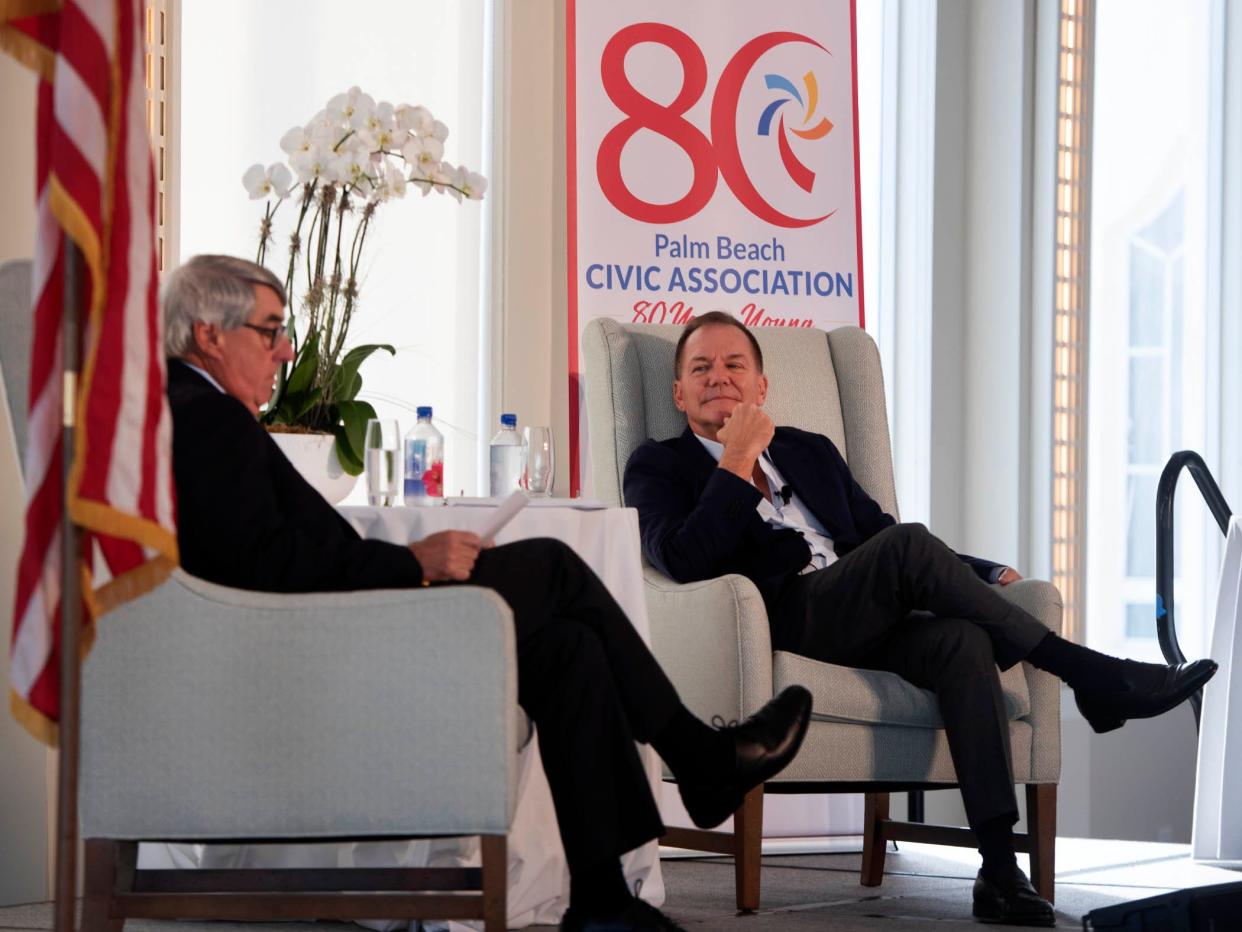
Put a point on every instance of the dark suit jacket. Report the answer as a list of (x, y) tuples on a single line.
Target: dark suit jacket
[(247, 519), (698, 521)]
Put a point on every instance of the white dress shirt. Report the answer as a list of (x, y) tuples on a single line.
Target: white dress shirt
[(782, 513), (190, 365)]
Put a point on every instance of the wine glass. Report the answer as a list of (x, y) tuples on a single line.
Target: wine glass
[(539, 457), (383, 461)]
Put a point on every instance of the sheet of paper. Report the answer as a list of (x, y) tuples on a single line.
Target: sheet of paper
[(504, 514), (579, 504)]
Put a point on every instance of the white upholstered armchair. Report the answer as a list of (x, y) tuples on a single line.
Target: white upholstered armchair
[(871, 731), (215, 715)]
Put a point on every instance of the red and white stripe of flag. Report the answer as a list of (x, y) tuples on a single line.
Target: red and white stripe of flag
[(95, 182)]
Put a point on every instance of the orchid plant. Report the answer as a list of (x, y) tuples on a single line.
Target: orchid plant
[(353, 156)]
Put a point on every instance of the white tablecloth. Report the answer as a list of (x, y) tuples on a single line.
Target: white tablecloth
[(607, 539)]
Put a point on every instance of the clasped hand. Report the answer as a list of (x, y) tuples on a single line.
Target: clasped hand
[(746, 433), (448, 556)]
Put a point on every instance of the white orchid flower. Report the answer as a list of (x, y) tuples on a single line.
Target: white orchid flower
[(351, 108), (422, 153), (260, 182), (313, 163), (380, 130), (416, 120), (456, 185), (254, 181), (296, 140), (439, 131), (324, 128), (444, 177), (391, 183), (472, 184), (352, 145), (427, 176), (280, 178), (355, 168)]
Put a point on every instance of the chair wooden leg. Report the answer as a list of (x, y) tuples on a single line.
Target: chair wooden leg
[(109, 869), (748, 850), (875, 814), (1041, 820), (495, 882)]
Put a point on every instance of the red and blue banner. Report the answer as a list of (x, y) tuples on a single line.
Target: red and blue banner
[(713, 165)]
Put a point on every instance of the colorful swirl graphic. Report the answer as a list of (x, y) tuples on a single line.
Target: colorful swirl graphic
[(802, 176)]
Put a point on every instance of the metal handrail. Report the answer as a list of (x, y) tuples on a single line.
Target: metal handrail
[(1166, 628)]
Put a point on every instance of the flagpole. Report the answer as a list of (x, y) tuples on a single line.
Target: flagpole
[(70, 612)]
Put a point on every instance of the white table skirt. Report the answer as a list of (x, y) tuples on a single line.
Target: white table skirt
[(607, 539)]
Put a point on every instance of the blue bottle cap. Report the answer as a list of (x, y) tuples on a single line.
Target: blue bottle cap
[(508, 420), (424, 410)]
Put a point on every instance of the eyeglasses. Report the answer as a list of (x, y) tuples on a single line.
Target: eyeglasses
[(273, 334)]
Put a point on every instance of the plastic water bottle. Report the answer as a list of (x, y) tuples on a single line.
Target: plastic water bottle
[(506, 457), (424, 462)]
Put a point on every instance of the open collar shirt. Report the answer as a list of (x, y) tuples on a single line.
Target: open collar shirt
[(785, 512)]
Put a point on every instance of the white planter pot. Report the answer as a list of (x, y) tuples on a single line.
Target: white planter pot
[(314, 456)]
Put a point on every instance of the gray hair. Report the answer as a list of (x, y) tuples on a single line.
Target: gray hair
[(214, 290)]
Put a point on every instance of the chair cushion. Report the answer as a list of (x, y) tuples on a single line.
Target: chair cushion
[(874, 697)]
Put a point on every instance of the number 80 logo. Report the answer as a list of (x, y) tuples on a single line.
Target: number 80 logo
[(710, 158)]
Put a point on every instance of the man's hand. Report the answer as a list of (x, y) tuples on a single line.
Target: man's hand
[(1008, 576), (447, 555), (746, 434)]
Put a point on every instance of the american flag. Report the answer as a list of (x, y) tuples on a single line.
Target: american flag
[(94, 181)]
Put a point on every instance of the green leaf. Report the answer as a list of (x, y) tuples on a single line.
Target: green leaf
[(350, 433), (344, 451), (299, 407), (347, 382), (304, 368)]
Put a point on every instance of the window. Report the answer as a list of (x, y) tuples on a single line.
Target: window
[(250, 71), (1148, 346)]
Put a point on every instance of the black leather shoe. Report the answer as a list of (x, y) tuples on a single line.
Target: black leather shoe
[(639, 916), (1151, 689), (763, 745), (1011, 900)]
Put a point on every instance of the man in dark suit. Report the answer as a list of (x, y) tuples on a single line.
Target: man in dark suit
[(247, 519), (843, 582)]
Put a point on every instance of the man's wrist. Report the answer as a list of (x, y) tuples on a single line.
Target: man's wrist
[(739, 464)]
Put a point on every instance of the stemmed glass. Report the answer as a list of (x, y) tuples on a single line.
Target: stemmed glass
[(540, 461)]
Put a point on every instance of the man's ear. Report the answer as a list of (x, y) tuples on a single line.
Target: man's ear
[(763, 388), (207, 340), (678, 399)]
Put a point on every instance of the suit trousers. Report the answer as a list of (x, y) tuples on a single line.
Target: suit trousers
[(905, 602), (591, 686)]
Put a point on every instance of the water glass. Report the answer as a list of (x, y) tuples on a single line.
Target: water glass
[(382, 459), (540, 461)]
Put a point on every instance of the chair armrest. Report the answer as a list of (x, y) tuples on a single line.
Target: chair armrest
[(210, 712), (713, 641), (1043, 601)]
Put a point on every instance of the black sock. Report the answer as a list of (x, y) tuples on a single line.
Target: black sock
[(995, 838), (598, 889), (693, 750), (1078, 666)]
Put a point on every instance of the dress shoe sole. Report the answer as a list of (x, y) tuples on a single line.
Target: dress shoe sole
[(1112, 712)]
